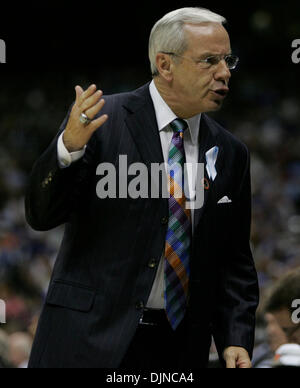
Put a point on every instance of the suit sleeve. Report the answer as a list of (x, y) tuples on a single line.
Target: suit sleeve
[(239, 294), (52, 191)]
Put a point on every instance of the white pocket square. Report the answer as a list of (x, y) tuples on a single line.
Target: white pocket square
[(225, 200), (211, 159)]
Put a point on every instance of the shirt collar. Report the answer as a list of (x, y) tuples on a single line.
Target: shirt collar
[(165, 115)]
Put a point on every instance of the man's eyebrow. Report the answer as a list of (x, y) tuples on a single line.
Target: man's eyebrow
[(211, 54)]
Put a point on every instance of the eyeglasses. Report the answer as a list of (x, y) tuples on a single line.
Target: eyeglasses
[(231, 60)]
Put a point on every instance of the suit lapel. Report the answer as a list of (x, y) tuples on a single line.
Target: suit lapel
[(208, 139), (142, 124)]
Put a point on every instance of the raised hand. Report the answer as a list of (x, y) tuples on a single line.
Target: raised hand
[(89, 102)]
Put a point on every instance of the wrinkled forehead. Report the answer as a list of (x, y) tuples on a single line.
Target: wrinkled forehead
[(210, 38)]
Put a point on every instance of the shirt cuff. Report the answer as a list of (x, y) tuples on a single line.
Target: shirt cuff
[(65, 158)]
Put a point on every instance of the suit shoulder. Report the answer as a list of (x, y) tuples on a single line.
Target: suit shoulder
[(116, 99), (117, 96), (113, 104), (123, 97)]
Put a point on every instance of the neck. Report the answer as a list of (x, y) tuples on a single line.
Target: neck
[(172, 99)]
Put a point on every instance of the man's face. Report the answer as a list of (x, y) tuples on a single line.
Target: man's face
[(291, 330), (194, 85)]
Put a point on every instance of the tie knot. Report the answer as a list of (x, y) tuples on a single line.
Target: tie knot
[(179, 125)]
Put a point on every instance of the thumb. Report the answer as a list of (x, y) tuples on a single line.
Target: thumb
[(79, 91), (244, 361)]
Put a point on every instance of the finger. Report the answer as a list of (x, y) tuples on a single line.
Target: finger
[(95, 124), (92, 112), (79, 91), (230, 362), (244, 364), (242, 359), (86, 94), (91, 101)]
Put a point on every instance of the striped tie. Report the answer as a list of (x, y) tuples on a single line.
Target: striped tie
[(177, 253)]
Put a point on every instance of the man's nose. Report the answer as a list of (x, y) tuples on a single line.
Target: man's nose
[(223, 73)]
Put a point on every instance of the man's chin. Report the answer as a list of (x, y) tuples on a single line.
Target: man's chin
[(214, 106), (208, 106)]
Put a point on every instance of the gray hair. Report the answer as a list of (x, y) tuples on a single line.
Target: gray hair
[(168, 34)]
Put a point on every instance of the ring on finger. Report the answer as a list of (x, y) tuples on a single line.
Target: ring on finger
[(84, 119)]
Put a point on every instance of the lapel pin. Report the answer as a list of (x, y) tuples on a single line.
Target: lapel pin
[(205, 183)]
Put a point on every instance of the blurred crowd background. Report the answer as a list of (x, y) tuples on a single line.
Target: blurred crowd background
[(263, 110)]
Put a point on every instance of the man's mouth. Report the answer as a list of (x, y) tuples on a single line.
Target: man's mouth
[(222, 93)]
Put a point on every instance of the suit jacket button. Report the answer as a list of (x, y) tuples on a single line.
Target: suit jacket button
[(165, 221), (140, 305), (152, 264)]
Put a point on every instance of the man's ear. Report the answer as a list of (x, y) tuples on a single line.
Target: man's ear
[(164, 66)]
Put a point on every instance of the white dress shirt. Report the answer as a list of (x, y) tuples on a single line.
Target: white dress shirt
[(164, 117)]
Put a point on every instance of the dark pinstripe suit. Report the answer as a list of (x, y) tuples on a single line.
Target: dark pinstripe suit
[(104, 271)]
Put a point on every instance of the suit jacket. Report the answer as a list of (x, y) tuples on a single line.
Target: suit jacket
[(111, 248)]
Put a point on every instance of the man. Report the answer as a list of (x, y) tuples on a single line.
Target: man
[(146, 282), (283, 308)]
